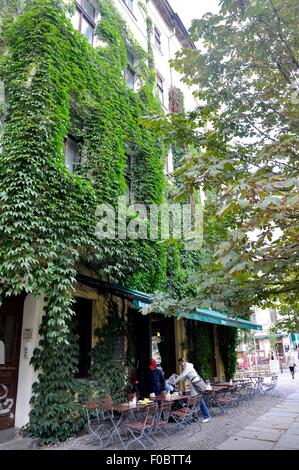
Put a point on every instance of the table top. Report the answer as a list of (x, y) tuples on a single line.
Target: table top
[(170, 398), (120, 407)]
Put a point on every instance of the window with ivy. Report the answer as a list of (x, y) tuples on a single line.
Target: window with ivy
[(160, 88), (84, 19), (130, 72), (71, 152)]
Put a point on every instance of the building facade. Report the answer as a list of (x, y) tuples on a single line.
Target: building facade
[(76, 82), (264, 345)]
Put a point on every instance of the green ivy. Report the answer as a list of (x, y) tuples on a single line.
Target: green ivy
[(200, 347), (228, 338), (111, 375), (57, 84)]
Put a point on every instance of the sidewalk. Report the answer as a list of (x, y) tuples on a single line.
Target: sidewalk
[(262, 423), (278, 429)]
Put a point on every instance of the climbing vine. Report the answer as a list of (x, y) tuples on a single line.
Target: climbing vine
[(110, 372), (227, 344), (200, 347), (57, 85)]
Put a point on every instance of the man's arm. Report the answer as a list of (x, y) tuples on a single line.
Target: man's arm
[(186, 370)]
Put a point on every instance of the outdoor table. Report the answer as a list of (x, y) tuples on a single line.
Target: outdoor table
[(120, 408), (170, 398)]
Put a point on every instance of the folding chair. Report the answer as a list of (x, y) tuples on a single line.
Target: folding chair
[(270, 388), (142, 428), (185, 416), (97, 422)]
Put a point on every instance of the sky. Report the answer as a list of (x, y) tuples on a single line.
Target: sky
[(189, 9)]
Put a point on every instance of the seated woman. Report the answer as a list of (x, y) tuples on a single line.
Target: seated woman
[(156, 379)]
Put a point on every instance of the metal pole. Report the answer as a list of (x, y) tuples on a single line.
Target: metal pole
[(255, 355)]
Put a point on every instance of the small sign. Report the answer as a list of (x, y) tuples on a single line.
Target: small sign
[(27, 334)]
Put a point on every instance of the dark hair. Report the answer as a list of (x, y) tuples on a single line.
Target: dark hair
[(181, 359)]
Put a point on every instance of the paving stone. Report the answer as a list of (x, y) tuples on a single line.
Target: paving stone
[(241, 443), (262, 434), (294, 428), (276, 422), (286, 414), (288, 441)]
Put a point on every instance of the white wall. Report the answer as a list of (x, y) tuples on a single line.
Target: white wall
[(33, 309), (170, 44)]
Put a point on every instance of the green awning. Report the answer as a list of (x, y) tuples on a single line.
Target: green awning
[(208, 316), (265, 336), (295, 338), (141, 299)]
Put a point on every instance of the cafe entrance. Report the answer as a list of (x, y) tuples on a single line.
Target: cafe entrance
[(11, 315)]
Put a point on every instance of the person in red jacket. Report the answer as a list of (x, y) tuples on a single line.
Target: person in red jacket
[(156, 379)]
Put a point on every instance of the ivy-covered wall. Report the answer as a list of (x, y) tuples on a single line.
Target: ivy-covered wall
[(200, 347), (56, 84), (228, 344)]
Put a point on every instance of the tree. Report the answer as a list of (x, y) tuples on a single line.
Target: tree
[(245, 131)]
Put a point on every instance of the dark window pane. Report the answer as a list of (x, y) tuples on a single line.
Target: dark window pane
[(89, 9), (157, 38), (7, 326), (130, 78), (71, 153), (160, 89), (131, 60)]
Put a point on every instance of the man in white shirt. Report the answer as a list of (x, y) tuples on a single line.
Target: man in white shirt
[(198, 385)]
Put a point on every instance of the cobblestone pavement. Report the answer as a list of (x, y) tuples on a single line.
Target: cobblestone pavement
[(212, 434)]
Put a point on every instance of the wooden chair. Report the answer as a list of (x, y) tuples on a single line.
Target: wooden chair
[(142, 429)]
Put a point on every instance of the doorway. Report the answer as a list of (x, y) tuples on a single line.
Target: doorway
[(153, 337), (83, 332), (11, 316)]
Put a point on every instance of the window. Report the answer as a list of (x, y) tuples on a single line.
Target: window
[(160, 88), (157, 35), (84, 19), (129, 179), (129, 4), (129, 72), (71, 151)]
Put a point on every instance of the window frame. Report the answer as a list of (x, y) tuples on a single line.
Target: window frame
[(129, 4), (79, 4), (130, 69), (76, 160), (160, 88), (157, 37)]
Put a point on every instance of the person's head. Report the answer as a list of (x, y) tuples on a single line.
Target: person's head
[(182, 362), (152, 364)]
